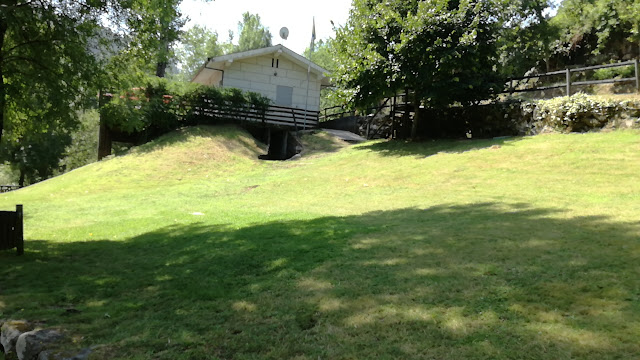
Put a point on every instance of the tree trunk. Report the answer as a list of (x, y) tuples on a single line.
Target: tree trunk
[(416, 118), (161, 65), (161, 69), (3, 91), (21, 181)]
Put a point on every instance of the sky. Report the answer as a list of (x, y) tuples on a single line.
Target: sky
[(297, 15)]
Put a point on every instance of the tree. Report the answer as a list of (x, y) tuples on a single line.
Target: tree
[(323, 55), (594, 31), (445, 51), (196, 45), (526, 37), (44, 52), (156, 27), (52, 64), (35, 152), (48, 66), (253, 35)]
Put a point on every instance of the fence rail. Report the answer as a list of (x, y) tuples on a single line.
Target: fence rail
[(11, 230), (568, 84), (274, 115), (339, 111)]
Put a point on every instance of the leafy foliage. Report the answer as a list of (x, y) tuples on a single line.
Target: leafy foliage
[(196, 45), (83, 149), (526, 36), (580, 113), (617, 72), (34, 143), (156, 27), (162, 105), (45, 62), (253, 35), (324, 55), (48, 64), (595, 31), (445, 51)]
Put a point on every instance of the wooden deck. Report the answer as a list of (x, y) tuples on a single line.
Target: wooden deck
[(274, 116), (208, 112)]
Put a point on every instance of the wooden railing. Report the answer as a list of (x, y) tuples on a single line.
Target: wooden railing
[(11, 230), (392, 103), (569, 84), (277, 116)]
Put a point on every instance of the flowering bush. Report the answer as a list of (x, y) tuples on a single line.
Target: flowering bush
[(578, 113)]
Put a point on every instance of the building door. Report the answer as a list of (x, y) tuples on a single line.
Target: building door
[(284, 96)]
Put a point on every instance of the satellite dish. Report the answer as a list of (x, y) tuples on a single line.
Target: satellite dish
[(284, 33)]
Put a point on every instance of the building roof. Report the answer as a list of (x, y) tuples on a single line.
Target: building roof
[(280, 50)]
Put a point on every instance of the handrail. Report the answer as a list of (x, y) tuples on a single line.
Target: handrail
[(568, 83)]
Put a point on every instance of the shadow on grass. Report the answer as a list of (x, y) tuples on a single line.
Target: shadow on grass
[(483, 281), (427, 148), (320, 142)]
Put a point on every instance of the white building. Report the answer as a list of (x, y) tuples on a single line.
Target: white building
[(275, 72)]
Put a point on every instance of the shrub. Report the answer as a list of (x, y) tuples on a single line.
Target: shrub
[(161, 106), (616, 72), (578, 113)]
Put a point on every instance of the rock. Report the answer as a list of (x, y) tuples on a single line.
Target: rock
[(82, 355), (31, 343), (51, 355), (9, 333)]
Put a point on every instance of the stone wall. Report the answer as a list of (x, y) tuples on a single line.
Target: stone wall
[(24, 340), (578, 113)]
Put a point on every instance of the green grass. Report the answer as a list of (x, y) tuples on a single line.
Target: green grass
[(520, 248)]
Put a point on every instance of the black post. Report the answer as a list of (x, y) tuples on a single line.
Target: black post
[(393, 117), (104, 134), (19, 232), (635, 64)]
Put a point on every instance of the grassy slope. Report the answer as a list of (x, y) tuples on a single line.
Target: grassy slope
[(518, 248)]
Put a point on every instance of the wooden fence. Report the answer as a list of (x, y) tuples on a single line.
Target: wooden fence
[(11, 230), (274, 116), (569, 84), (400, 103), (398, 108)]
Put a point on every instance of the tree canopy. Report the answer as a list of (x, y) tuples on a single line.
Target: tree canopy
[(444, 51), (56, 54), (48, 67), (196, 45), (156, 26), (253, 35), (596, 31), (428, 46)]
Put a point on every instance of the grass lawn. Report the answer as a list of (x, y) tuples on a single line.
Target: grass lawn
[(191, 248)]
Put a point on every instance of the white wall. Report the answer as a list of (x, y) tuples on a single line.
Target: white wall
[(257, 75)]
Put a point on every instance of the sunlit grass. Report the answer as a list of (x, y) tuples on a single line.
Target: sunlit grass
[(191, 247)]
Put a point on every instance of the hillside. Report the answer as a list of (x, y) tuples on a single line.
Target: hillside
[(190, 247)]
